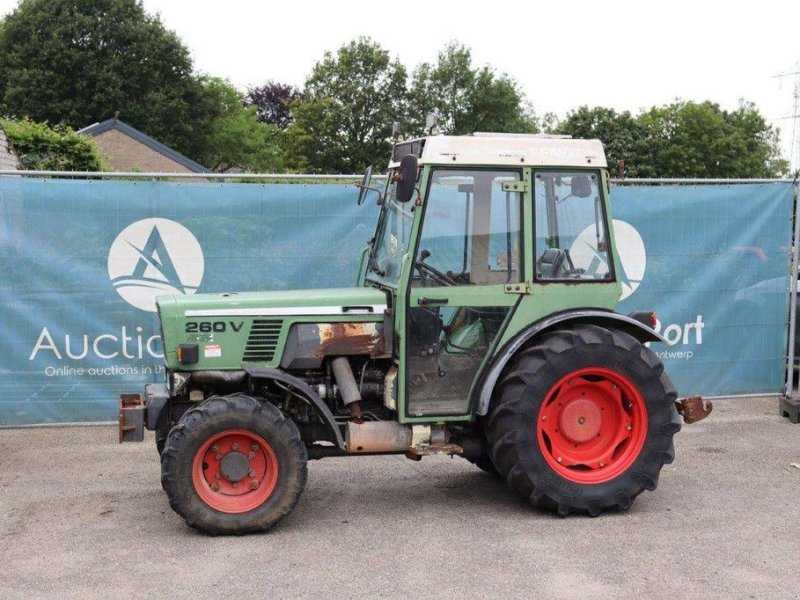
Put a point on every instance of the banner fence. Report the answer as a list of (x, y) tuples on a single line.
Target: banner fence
[(80, 257)]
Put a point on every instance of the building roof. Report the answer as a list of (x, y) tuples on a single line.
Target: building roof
[(506, 149), (143, 138)]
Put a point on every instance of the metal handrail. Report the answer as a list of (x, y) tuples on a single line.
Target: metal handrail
[(118, 174), (696, 180)]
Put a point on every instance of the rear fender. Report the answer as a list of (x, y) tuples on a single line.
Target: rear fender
[(607, 319)]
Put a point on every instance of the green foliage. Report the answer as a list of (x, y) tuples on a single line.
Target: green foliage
[(622, 134), (40, 147), (234, 137), (684, 139), (344, 121), (467, 99), (78, 63)]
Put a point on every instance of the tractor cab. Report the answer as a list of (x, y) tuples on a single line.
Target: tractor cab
[(475, 231)]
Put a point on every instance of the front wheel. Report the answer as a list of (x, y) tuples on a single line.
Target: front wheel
[(233, 465), (583, 421)]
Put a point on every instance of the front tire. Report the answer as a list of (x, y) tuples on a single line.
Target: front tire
[(233, 465), (583, 421)]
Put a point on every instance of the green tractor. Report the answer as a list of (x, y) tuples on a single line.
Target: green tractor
[(481, 325)]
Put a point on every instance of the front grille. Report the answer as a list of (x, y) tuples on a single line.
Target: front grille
[(263, 340)]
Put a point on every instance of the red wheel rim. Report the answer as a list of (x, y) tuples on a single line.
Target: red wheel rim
[(235, 471), (592, 425)]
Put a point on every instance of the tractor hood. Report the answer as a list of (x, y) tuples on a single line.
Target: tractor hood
[(224, 331)]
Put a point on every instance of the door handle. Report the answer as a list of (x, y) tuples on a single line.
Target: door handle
[(432, 301)]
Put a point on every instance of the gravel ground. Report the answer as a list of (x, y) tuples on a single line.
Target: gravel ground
[(81, 516)]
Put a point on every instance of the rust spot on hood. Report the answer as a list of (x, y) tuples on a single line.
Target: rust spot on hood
[(341, 339)]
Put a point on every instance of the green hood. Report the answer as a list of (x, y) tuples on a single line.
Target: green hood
[(227, 327)]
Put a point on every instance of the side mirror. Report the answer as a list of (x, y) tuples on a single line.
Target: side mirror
[(581, 186), (406, 178), (362, 194)]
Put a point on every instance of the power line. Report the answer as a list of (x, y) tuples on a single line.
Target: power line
[(794, 147)]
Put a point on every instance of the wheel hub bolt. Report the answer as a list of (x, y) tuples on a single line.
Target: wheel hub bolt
[(218, 456), (559, 459), (235, 484), (613, 386), (234, 447), (252, 455), (254, 446), (544, 418), (252, 473), (254, 485), (218, 476), (581, 420), (215, 486), (629, 427), (602, 464)]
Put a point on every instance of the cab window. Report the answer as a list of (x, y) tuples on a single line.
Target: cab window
[(571, 234), (470, 232)]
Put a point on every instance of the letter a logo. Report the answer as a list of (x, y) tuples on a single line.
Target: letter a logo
[(154, 257)]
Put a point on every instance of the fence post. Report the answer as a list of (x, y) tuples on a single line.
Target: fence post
[(793, 293)]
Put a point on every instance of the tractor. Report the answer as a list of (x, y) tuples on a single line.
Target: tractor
[(482, 325)]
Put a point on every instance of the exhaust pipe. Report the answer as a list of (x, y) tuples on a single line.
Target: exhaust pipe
[(377, 436), (351, 395)]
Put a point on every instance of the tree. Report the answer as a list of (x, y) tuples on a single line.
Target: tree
[(234, 137), (272, 101), (683, 139), (40, 147), (622, 134), (467, 99), (691, 139), (77, 63), (344, 122)]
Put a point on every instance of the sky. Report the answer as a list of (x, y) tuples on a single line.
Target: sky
[(623, 54)]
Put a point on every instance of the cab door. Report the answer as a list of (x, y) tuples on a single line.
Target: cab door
[(461, 290)]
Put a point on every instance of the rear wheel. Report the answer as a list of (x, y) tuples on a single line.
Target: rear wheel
[(484, 463), (583, 421), (233, 465)]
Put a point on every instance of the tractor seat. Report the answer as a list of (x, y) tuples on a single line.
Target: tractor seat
[(550, 263)]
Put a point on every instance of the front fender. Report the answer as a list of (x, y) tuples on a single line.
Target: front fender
[(607, 319), (302, 388)]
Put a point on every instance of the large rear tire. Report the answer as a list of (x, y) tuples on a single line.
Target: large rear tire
[(583, 421), (484, 463), (233, 465)]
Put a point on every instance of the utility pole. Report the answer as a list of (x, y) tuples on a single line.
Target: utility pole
[(794, 147)]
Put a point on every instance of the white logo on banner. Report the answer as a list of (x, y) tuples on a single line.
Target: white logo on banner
[(155, 257), (630, 248)]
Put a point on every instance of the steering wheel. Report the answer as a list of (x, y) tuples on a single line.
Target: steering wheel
[(432, 271)]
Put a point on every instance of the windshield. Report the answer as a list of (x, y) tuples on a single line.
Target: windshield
[(391, 241)]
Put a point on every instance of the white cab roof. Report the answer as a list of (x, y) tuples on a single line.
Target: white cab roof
[(511, 149)]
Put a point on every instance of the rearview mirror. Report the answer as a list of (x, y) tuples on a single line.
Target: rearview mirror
[(580, 186), (362, 194), (406, 177)]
